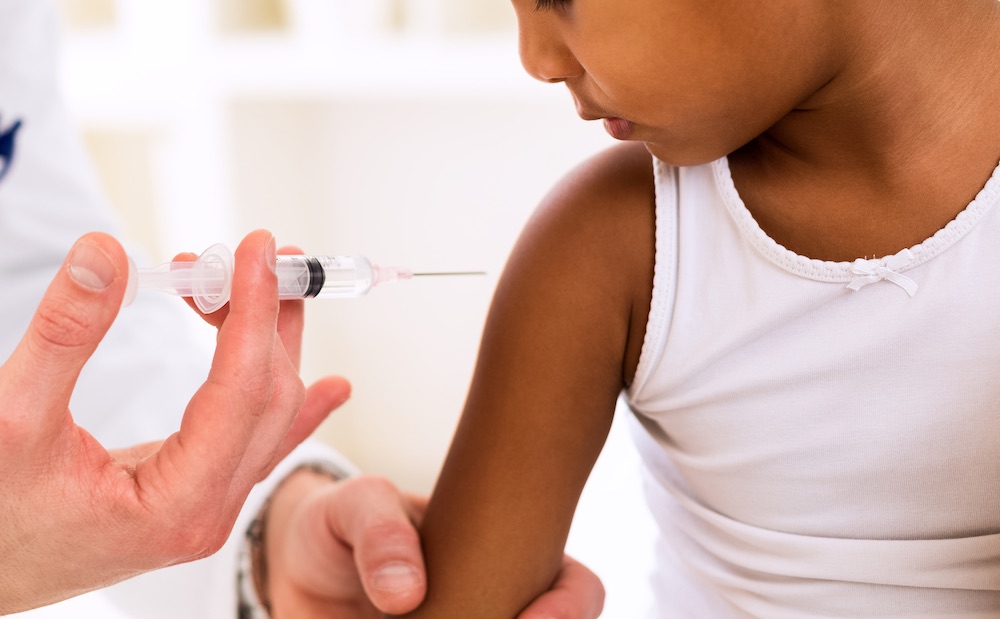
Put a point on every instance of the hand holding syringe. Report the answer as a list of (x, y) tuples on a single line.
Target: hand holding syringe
[(208, 280)]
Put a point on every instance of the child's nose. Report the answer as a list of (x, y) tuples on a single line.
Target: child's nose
[(546, 58)]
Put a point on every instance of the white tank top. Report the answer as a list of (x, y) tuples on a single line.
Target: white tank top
[(821, 439)]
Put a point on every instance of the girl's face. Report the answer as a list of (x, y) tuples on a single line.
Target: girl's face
[(693, 79)]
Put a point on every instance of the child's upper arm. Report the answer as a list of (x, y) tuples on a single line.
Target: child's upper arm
[(562, 339)]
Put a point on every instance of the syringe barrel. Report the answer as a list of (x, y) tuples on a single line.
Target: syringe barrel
[(302, 277)]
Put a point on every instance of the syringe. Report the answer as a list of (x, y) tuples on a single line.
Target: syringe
[(208, 280)]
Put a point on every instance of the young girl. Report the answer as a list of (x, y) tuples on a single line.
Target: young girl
[(799, 296)]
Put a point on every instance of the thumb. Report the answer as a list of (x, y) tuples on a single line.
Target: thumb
[(72, 318)]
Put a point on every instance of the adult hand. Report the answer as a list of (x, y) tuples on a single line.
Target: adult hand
[(76, 516), (350, 549)]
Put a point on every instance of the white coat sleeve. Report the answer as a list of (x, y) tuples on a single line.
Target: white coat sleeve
[(156, 354)]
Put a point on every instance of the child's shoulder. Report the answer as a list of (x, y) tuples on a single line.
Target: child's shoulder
[(622, 174), (610, 195), (595, 233), (604, 202)]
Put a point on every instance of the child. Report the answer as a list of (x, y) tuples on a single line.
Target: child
[(799, 297)]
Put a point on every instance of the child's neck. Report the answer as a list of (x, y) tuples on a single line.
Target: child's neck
[(895, 146)]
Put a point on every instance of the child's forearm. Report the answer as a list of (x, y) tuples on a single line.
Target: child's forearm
[(491, 545)]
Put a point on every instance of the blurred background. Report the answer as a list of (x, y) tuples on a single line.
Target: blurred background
[(404, 130)]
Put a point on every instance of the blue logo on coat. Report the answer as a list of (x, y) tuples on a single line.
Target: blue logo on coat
[(8, 139)]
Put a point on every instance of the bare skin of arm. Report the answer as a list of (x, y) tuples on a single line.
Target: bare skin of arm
[(562, 339)]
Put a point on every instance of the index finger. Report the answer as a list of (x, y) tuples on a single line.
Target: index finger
[(223, 416), (290, 318)]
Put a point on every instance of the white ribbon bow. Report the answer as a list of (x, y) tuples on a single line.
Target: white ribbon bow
[(871, 271)]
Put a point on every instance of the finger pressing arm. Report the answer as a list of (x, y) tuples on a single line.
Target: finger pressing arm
[(577, 594), (342, 549)]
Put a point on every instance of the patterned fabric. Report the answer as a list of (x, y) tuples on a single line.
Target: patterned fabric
[(8, 138)]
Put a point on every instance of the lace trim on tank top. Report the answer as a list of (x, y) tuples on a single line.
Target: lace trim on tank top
[(862, 271), (664, 274)]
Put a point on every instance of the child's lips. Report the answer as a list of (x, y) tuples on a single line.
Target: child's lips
[(619, 128)]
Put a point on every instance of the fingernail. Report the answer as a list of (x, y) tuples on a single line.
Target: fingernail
[(395, 577), (271, 255), (91, 267)]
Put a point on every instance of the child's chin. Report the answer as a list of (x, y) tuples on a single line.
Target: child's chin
[(671, 155)]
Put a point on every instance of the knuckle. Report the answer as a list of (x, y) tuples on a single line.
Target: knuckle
[(387, 541), (198, 540), (378, 485), (298, 392), (62, 325), (213, 542), (388, 529), (257, 388), (390, 536), (17, 443), (394, 524), (373, 490), (176, 527), (293, 393), (194, 531)]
